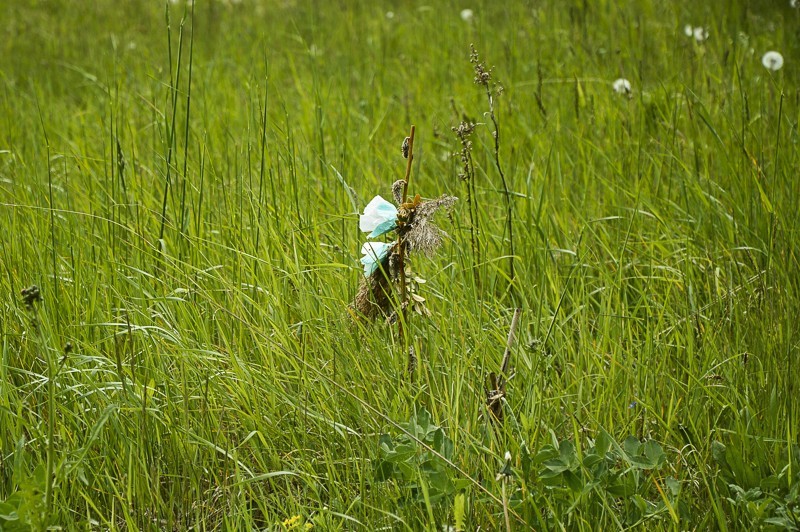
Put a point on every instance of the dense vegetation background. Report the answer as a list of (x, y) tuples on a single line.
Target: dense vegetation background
[(182, 185)]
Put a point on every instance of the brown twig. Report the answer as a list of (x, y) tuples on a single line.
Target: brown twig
[(408, 165)]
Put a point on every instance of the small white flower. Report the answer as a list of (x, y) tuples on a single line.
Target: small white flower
[(466, 15), (622, 86), (508, 456), (374, 253), (700, 34), (390, 15), (772, 60), (379, 217)]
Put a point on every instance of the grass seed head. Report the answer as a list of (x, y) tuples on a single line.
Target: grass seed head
[(31, 296)]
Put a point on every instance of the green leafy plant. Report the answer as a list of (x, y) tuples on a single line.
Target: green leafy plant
[(619, 475), (421, 469), (24, 509), (771, 500)]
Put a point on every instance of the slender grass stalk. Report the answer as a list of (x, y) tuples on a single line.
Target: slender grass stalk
[(483, 78), (171, 129), (505, 504), (51, 366), (183, 212)]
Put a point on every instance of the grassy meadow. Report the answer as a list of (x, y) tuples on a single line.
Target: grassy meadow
[(180, 189)]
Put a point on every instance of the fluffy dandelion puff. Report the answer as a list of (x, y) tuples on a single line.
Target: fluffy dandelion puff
[(772, 60), (390, 15), (622, 86), (466, 15), (379, 218), (374, 254), (688, 30)]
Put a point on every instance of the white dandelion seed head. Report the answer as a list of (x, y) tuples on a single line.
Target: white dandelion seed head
[(466, 15), (688, 30), (772, 60), (622, 86), (390, 15)]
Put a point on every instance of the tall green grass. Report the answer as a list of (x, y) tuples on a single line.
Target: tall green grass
[(182, 184)]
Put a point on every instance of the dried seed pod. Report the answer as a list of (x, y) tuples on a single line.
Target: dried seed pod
[(397, 190)]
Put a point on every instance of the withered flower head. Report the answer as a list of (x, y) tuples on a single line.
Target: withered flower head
[(422, 235)]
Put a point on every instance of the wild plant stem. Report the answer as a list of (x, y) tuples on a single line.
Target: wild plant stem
[(505, 505), (51, 399), (507, 194), (463, 131), (474, 229), (512, 332), (401, 246), (51, 422)]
